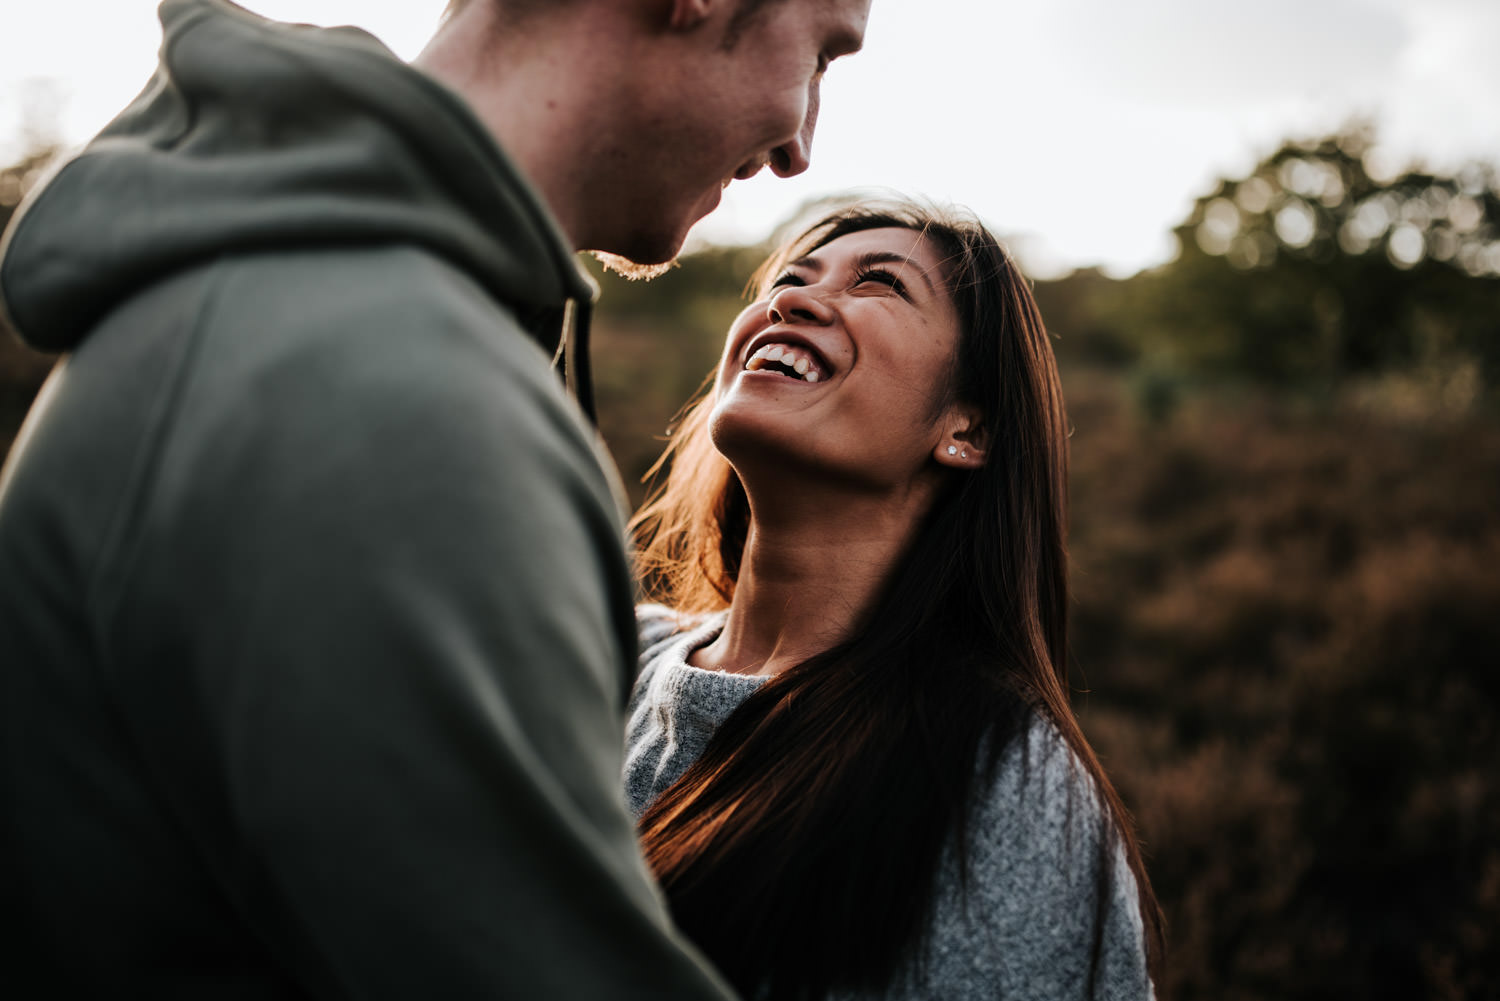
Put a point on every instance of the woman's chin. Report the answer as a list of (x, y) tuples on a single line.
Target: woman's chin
[(736, 432), (760, 441)]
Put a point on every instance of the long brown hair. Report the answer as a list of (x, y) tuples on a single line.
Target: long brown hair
[(775, 848)]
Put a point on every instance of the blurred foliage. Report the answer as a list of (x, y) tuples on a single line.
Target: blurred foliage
[(1288, 619), (22, 370), (1310, 273), (1286, 519)]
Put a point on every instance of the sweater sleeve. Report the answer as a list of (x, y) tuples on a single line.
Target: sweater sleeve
[(1039, 893), (380, 576)]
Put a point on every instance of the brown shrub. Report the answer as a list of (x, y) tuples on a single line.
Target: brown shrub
[(1289, 623)]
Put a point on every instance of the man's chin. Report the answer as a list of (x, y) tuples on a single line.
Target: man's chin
[(630, 269)]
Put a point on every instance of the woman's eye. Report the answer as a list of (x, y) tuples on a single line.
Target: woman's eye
[(787, 278), (882, 277)]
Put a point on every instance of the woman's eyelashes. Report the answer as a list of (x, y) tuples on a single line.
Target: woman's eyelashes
[(883, 277), (879, 276)]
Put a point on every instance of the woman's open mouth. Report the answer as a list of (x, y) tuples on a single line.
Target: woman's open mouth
[(787, 360)]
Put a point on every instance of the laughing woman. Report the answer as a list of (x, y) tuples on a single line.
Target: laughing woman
[(851, 749)]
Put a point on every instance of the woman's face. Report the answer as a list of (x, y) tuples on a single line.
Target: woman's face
[(840, 369)]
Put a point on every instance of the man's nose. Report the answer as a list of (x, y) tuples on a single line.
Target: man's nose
[(791, 159)]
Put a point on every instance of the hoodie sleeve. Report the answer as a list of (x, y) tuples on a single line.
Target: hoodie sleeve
[(377, 566)]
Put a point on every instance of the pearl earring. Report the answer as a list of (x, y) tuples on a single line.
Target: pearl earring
[(964, 454), (952, 449)]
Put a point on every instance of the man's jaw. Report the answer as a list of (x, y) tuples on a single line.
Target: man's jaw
[(636, 272)]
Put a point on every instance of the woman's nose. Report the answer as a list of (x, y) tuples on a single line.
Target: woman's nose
[(798, 303)]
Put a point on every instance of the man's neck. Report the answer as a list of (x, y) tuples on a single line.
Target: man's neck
[(540, 105)]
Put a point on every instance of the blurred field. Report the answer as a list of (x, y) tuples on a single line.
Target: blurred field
[(1289, 622)]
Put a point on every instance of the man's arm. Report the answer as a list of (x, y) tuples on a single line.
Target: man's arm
[(390, 567)]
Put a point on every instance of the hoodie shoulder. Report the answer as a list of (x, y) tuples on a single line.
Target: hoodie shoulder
[(254, 136)]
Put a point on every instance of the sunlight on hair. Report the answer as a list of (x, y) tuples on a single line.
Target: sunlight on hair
[(627, 268)]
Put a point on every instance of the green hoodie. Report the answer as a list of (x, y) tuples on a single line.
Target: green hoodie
[(315, 625)]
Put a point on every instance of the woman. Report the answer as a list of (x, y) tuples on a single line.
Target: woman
[(850, 749)]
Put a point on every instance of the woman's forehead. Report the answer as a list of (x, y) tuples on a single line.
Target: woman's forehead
[(908, 243)]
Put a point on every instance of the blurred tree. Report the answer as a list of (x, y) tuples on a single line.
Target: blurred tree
[(1082, 311), (1311, 270)]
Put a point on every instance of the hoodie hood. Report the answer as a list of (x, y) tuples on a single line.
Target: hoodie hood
[(256, 136)]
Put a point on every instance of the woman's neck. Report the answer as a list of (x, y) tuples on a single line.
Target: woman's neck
[(810, 573)]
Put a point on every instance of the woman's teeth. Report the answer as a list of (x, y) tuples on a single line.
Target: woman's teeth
[(789, 361)]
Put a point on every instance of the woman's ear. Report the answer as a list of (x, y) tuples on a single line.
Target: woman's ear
[(962, 445)]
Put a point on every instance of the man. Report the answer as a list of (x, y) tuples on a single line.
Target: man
[(315, 627)]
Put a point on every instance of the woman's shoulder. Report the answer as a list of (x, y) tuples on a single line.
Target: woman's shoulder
[(1039, 781), (660, 629), (1044, 878), (674, 709)]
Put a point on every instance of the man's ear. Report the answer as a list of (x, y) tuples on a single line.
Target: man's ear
[(688, 14), (963, 443)]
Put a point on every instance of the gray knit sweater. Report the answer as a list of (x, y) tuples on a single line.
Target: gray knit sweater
[(1024, 928)]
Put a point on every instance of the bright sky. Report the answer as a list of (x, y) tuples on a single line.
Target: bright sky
[(1085, 128)]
